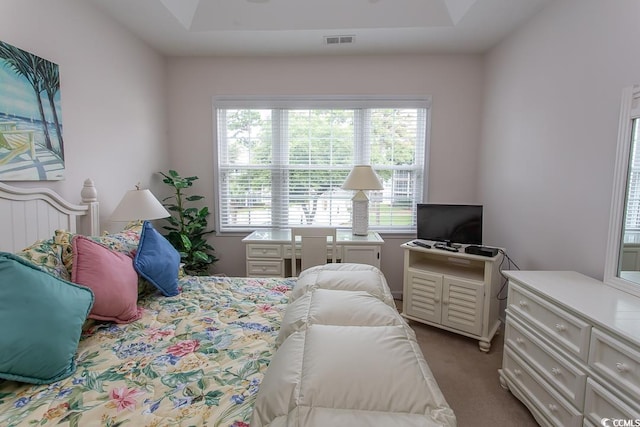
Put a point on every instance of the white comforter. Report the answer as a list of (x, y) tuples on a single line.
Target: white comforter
[(347, 358)]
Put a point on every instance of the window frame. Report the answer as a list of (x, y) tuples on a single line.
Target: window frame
[(629, 111), (320, 102)]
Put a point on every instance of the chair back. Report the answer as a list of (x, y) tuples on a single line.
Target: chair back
[(317, 245)]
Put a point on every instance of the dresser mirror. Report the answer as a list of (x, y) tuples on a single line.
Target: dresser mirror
[(622, 266)]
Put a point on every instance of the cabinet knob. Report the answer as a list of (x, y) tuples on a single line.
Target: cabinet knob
[(560, 327), (523, 303), (517, 372), (264, 251), (622, 368), (520, 341), (555, 371), (553, 407)]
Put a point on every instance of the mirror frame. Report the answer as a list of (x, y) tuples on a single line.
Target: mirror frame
[(629, 110)]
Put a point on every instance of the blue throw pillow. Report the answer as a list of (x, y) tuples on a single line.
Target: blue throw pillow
[(157, 261), (41, 318)]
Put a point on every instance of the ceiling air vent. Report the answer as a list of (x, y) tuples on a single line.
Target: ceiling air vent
[(339, 39)]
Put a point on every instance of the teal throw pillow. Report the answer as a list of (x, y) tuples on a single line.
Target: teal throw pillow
[(157, 261), (41, 318)]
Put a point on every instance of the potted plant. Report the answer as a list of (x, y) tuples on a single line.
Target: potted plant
[(188, 225)]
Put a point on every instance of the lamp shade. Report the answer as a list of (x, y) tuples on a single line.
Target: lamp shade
[(139, 205), (362, 177)]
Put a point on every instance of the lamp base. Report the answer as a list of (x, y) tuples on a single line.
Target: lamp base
[(360, 217)]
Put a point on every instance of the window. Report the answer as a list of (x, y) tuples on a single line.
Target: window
[(282, 162)]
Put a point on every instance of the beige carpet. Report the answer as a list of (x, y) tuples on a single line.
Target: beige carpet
[(469, 379)]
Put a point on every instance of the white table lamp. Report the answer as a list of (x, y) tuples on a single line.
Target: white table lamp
[(139, 204), (361, 177)]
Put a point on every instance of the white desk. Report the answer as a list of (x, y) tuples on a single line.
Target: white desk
[(268, 249)]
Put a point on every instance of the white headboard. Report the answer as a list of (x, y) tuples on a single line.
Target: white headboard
[(30, 214)]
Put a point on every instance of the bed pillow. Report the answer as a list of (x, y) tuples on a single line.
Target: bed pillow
[(41, 318), (111, 277), (157, 261), (47, 255), (125, 241)]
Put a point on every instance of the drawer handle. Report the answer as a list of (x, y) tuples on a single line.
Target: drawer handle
[(555, 371), (264, 251), (517, 372), (553, 407), (560, 327), (520, 341), (264, 268), (523, 303), (622, 368)]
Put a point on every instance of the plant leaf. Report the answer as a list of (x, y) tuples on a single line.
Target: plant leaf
[(186, 242)]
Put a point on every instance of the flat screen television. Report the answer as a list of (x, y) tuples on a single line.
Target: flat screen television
[(450, 223)]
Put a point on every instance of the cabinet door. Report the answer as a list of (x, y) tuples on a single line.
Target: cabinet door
[(424, 292), (361, 254), (462, 304)]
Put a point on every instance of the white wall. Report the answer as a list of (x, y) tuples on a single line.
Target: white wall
[(550, 123), (545, 102), (112, 96), (455, 83)]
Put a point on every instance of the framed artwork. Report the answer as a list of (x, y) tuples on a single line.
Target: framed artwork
[(31, 144)]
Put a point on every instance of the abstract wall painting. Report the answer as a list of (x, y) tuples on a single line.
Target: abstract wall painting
[(31, 145)]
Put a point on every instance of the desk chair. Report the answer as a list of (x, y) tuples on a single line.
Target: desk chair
[(313, 247)]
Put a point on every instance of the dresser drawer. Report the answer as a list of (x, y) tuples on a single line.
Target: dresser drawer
[(264, 251), (555, 323), (615, 361), (563, 375), (547, 401), (256, 268), (599, 403)]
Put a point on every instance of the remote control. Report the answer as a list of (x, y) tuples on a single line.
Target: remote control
[(421, 244), (447, 248)]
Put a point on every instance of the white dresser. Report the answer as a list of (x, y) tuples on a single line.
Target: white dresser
[(572, 349), (269, 251)]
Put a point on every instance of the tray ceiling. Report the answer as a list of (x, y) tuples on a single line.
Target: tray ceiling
[(292, 27)]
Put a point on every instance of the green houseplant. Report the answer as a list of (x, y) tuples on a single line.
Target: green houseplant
[(188, 225)]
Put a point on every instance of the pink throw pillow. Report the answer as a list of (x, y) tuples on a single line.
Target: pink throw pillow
[(111, 277)]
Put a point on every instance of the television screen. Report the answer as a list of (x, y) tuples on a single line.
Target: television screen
[(450, 223)]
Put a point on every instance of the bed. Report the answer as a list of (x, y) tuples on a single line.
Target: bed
[(326, 348)]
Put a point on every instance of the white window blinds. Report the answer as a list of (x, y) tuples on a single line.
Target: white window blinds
[(281, 163)]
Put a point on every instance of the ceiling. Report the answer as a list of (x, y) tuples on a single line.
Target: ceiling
[(299, 27)]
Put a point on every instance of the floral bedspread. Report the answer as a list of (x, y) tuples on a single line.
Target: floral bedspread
[(196, 359)]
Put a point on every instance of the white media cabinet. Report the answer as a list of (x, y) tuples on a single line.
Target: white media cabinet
[(572, 349), (455, 291)]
